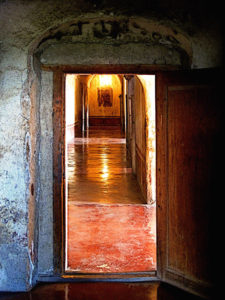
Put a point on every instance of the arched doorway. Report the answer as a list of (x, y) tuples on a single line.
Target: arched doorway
[(172, 87)]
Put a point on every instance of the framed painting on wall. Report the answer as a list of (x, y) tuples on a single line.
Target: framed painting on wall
[(105, 96)]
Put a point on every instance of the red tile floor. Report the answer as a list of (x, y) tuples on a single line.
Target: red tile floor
[(110, 228)]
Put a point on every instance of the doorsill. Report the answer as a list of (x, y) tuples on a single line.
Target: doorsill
[(116, 277)]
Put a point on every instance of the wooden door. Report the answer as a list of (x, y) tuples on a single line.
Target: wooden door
[(189, 129)]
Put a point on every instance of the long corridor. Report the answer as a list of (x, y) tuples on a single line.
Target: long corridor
[(110, 228), (99, 171)]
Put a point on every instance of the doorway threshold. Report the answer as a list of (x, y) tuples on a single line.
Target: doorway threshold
[(112, 277)]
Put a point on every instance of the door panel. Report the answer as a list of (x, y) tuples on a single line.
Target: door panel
[(189, 118)]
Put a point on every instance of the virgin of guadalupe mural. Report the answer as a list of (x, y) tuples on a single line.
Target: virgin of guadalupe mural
[(105, 96)]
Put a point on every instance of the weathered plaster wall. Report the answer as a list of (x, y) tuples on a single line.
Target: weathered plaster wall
[(45, 245), (25, 131), (116, 40), (19, 171), (14, 172), (122, 40), (33, 89)]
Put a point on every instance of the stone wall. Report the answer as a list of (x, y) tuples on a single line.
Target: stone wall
[(45, 247), (14, 171)]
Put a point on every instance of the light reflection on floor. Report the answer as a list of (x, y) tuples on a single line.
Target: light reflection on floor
[(99, 165), (102, 290), (110, 228)]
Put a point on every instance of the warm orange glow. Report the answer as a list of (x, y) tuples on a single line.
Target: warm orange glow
[(105, 167), (105, 172), (70, 105), (105, 80), (148, 82)]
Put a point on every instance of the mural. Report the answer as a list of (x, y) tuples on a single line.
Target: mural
[(105, 96)]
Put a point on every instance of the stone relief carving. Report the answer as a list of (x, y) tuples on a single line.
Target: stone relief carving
[(141, 32), (116, 31)]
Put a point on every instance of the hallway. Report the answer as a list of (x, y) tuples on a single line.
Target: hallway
[(98, 163), (110, 227)]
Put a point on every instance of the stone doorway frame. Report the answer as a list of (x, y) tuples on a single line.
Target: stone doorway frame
[(58, 106)]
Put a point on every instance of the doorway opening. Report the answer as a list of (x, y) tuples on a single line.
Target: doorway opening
[(110, 188)]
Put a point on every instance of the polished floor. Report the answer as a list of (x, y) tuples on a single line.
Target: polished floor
[(98, 170), (110, 228), (115, 238), (102, 291)]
